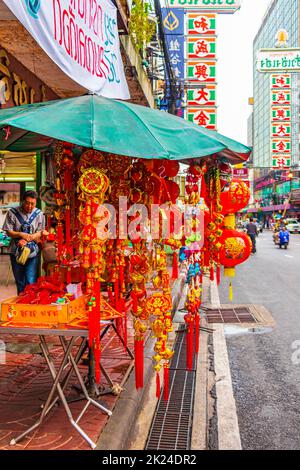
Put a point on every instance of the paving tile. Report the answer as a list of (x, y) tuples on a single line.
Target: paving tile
[(25, 383)]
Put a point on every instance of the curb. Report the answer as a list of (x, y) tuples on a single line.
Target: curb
[(227, 419), (117, 433)]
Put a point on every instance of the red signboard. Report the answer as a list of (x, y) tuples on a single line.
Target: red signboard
[(241, 173)]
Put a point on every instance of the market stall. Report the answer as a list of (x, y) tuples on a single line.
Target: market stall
[(111, 211)]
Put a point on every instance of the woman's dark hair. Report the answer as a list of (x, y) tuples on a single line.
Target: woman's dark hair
[(30, 193)]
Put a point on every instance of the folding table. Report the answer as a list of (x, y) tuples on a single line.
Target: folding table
[(62, 375)]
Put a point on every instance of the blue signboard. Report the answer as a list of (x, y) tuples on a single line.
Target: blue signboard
[(173, 24), (175, 46), (173, 20)]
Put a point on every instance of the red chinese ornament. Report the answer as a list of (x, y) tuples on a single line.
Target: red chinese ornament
[(236, 198), (236, 248), (166, 168)]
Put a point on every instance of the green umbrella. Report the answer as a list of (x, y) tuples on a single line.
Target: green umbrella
[(111, 126)]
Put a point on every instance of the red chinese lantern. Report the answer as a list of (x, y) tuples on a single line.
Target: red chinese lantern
[(236, 248), (170, 191), (236, 198), (166, 168)]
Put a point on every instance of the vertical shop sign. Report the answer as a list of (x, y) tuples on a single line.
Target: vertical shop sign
[(173, 23), (201, 69), (281, 101), (176, 54)]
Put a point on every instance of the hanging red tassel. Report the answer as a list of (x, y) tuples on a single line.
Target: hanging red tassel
[(49, 222), (218, 275), (97, 356), (212, 273), (69, 275), (197, 332), (60, 240), (134, 302), (139, 363), (157, 385), (175, 270), (189, 341), (201, 279), (94, 328), (110, 295), (125, 331), (116, 291), (68, 228), (203, 191), (166, 382)]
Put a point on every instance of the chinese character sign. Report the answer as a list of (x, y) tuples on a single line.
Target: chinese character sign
[(204, 24), (176, 54), (202, 96), (201, 69), (206, 117), (282, 82), (81, 38), (201, 48)]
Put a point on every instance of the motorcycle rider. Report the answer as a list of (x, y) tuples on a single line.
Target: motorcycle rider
[(284, 238)]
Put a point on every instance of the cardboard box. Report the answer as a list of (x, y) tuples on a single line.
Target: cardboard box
[(47, 314)]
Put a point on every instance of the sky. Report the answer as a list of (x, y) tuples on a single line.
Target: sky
[(235, 64)]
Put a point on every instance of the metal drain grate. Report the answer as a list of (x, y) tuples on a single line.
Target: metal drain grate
[(230, 315), (171, 427)]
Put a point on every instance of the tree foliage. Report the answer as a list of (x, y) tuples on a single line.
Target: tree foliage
[(140, 27)]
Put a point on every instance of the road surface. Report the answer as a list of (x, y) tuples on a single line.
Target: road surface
[(265, 368)]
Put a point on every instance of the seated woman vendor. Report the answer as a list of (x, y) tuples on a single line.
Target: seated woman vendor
[(25, 225)]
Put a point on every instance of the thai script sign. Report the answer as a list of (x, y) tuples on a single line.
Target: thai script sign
[(217, 6), (81, 37), (278, 60)]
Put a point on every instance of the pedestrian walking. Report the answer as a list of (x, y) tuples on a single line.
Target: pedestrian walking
[(253, 233), (25, 225)]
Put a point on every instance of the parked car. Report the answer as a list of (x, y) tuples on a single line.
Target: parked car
[(293, 225)]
